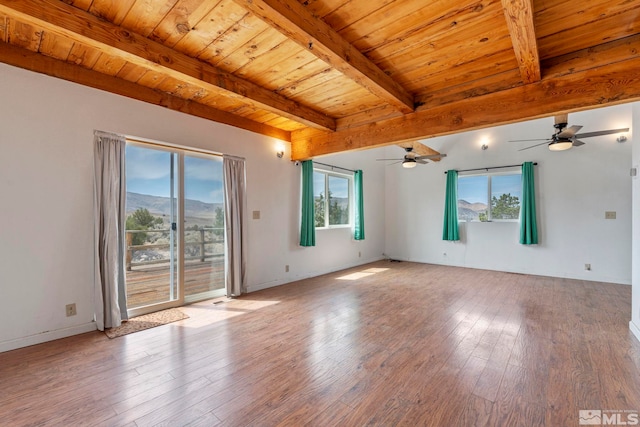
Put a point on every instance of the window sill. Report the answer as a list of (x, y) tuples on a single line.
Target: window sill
[(334, 227), (500, 221)]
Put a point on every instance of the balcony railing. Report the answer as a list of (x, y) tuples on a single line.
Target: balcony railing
[(200, 244)]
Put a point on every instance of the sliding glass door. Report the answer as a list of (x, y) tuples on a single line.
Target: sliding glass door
[(174, 228), (203, 227)]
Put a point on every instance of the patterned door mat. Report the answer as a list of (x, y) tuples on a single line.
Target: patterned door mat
[(147, 321)]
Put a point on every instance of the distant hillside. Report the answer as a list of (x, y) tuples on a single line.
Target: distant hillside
[(162, 205), (470, 211), (476, 207)]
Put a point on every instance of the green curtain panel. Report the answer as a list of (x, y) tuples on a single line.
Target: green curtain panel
[(528, 223), (358, 233), (450, 229), (307, 227)]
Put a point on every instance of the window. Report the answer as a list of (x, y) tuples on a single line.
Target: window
[(332, 197), (492, 197)]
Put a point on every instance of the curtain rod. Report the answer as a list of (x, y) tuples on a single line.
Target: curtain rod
[(166, 145), (492, 167), (332, 166)]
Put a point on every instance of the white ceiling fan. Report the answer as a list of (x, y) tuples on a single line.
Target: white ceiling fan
[(567, 137), (411, 159)]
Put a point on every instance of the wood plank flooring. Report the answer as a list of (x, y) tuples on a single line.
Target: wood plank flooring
[(384, 344)]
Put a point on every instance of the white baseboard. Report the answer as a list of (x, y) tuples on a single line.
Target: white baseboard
[(46, 336), (635, 329), (556, 274), (266, 285)]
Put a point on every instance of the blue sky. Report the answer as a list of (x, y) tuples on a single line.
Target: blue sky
[(506, 184), (339, 186), (148, 172), (473, 189)]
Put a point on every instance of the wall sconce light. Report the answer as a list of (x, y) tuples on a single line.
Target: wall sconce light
[(280, 154), (280, 150), (621, 138), (483, 141)]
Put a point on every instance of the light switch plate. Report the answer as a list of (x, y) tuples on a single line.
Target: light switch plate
[(256, 214)]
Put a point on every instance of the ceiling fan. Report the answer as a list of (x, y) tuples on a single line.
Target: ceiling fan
[(411, 159), (567, 137)]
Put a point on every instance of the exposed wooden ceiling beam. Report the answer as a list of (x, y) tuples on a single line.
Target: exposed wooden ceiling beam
[(593, 57), (39, 63), (292, 19), (519, 16), (607, 84), (65, 20)]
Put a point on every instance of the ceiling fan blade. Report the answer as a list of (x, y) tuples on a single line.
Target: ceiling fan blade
[(577, 143), (430, 157), (569, 132), (600, 133), (418, 148), (386, 160), (537, 145), (529, 140), (422, 162)]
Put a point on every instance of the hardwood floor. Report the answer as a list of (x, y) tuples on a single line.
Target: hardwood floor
[(384, 344)]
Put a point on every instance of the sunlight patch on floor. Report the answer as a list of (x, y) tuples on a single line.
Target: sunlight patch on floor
[(376, 270), (206, 312), (361, 274)]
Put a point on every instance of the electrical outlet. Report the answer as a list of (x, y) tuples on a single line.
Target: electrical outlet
[(286, 268), (587, 267), (71, 309), (256, 214), (610, 215)]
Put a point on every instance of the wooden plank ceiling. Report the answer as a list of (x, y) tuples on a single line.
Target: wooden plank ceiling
[(336, 75)]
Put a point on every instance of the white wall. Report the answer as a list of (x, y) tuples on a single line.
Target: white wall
[(46, 193), (335, 248), (635, 293), (574, 187)]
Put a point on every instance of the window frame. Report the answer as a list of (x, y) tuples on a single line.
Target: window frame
[(349, 178), (490, 176), (179, 275)]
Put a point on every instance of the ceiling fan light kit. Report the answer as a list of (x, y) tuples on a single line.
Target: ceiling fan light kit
[(560, 145), (409, 163)]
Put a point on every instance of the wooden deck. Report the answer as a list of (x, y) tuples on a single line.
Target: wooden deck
[(150, 284)]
